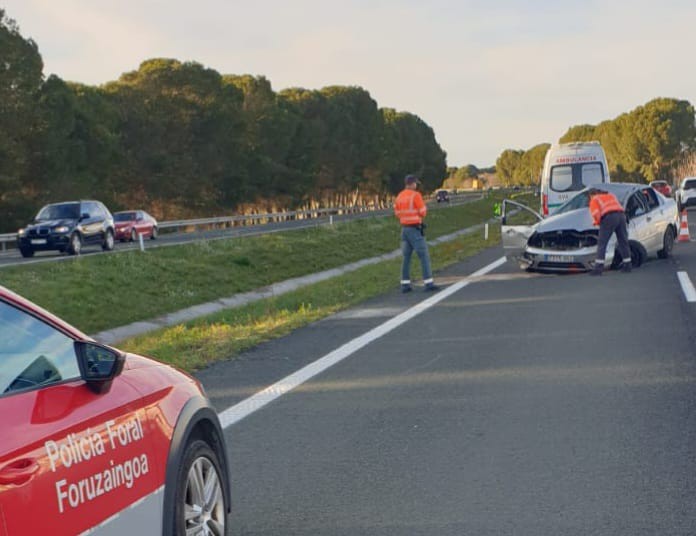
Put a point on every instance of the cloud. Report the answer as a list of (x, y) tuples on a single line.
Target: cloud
[(486, 75), (86, 41)]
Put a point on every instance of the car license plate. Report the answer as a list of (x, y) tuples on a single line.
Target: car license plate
[(38, 241), (559, 258)]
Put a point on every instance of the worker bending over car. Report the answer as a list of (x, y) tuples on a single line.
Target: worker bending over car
[(608, 213)]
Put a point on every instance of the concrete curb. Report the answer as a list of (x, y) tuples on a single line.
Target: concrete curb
[(114, 335)]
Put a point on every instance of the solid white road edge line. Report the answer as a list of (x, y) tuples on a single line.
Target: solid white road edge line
[(255, 402), (687, 286)]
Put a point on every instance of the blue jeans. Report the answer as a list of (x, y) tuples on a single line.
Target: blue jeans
[(412, 240), (614, 222)]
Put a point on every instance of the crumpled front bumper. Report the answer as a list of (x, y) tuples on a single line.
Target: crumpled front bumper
[(549, 260)]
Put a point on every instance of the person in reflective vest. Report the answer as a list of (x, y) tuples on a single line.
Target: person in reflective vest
[(410, 208), (608, 213)]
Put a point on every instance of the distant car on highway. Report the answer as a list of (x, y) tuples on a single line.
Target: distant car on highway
[(130, 223), (442, 196), (686, 193), (67, 227), (567, 241), (98, 441), (663, 187)]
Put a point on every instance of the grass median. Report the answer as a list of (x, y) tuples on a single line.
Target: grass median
[(219, 336), (98, 292)]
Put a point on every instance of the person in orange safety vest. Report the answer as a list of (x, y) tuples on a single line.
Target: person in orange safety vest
[(410, 208), (608, 213)]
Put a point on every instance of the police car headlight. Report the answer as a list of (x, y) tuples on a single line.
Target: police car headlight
[(62, 229), (22, 232)]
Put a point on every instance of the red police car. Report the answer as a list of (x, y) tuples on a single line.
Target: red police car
[(95, 440)]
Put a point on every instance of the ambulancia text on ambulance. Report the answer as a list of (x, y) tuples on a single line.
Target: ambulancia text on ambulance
[(569, 168)]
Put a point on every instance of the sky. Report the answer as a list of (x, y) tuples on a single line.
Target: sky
[(486, 75)]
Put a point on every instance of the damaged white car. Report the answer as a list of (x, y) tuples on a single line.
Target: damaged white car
[(567, 241)]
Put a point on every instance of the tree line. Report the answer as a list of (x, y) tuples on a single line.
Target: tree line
[(642, 145), (464, 177), (180, 139)]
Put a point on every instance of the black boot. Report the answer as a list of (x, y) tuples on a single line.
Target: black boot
[(626, 267), (597, 270)]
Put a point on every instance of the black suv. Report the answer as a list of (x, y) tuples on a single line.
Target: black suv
[(66, 227), (442, 196)]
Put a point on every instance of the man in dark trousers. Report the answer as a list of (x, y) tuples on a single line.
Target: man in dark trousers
[(410, 208), (608, 213)]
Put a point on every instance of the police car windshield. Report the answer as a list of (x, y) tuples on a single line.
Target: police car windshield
[(66, 211), (690, 185)]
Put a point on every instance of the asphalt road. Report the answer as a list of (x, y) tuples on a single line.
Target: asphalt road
[(12, 257), (521, 404)]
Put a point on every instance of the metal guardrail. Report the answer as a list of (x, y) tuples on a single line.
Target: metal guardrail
[(239, 220), (7, 239), (253, 219)]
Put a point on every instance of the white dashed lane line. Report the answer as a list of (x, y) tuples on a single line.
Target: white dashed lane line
[(255, 402), (687, 286)]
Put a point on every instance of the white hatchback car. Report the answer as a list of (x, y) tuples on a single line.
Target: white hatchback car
[(567, 241), (686, 193)]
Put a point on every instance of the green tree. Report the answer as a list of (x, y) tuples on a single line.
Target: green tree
[(20, 80), (409, 146), (530, 166), (645, 143), (269, 129), (507, 166), (183, 134), (579, 133)]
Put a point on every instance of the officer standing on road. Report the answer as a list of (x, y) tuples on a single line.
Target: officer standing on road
[(410, 208), (608, 213)]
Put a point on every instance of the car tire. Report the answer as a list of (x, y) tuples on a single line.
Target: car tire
[(75, 246), (200, 497), (637, 256), (26, 252), (108, 243), (133, 235), (667, 244), (155, 233)]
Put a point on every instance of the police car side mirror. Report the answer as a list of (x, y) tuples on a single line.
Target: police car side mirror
[(98, 364)]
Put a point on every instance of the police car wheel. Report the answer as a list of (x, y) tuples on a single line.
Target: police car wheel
[(201, 504)]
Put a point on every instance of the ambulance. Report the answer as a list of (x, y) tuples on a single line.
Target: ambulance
[(569, 168)]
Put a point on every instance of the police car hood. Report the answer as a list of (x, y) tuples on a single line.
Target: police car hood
[(575, 220)]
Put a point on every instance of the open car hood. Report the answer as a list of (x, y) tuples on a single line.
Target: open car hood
[(578, 220)]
